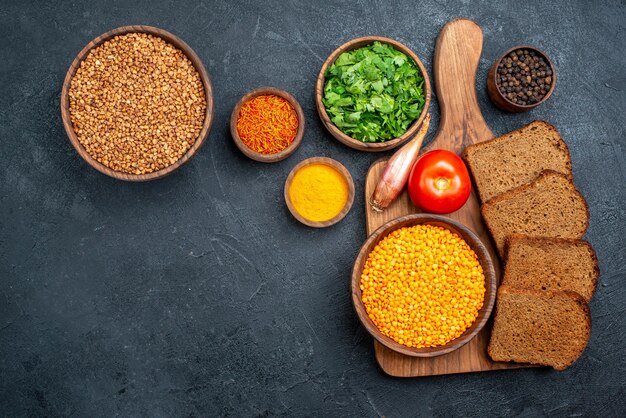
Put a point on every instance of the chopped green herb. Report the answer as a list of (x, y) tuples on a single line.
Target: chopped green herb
[(373, 93)]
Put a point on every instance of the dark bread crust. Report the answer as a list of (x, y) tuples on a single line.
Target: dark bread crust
[(549, 294), (520, 189), (564, 294), (511, 239), (471, 149), (523, 187)]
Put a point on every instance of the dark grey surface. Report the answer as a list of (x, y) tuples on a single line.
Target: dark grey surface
[(198, 294)]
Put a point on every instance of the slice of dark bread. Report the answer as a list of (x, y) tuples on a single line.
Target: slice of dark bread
[(550, 206), (516, 158), (551, 264), (549, 328)]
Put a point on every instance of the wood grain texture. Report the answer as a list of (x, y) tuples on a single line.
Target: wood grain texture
[(499, 99), (456, 59), (257, 156), (355, 143), (173, 40), (483, 258), (331, 163)]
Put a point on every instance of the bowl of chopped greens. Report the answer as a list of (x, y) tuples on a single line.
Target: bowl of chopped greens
[(372, 93)]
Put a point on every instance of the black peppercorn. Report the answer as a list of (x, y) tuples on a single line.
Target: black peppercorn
[(524, 77)]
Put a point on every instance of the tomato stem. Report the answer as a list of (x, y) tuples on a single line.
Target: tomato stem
[(442, 183)]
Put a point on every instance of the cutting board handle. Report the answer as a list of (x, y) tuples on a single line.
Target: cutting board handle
[(457, 54)]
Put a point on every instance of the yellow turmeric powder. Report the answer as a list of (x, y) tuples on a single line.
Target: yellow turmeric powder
[(318, 192)]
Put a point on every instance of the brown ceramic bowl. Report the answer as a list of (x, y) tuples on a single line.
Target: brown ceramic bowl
[(173, 40), (500, 100), (483, 257), (257, 156), (346, 139), (337, 166)]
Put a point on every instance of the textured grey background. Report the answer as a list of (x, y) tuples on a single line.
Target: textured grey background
[(198, 294)]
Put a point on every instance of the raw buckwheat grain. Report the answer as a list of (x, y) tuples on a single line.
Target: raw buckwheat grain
[(137, 103)]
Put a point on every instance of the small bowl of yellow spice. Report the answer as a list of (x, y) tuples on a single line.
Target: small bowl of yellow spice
[(319, 192)]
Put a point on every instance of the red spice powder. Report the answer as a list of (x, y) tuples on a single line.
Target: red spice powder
[(267, 124)]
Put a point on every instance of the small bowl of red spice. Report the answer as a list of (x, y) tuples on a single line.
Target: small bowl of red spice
[(267, 124)]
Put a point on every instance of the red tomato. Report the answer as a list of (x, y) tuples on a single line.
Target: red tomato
[(439, 182)]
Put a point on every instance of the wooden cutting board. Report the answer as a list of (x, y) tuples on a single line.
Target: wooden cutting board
[(457, 55)]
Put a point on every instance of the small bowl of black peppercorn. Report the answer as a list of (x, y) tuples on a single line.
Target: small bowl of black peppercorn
[(522, 79)]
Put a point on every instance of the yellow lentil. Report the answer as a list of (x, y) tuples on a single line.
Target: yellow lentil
[(422, 286)]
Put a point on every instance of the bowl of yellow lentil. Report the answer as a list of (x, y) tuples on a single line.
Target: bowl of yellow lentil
[(137, 103), (423, 285)]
